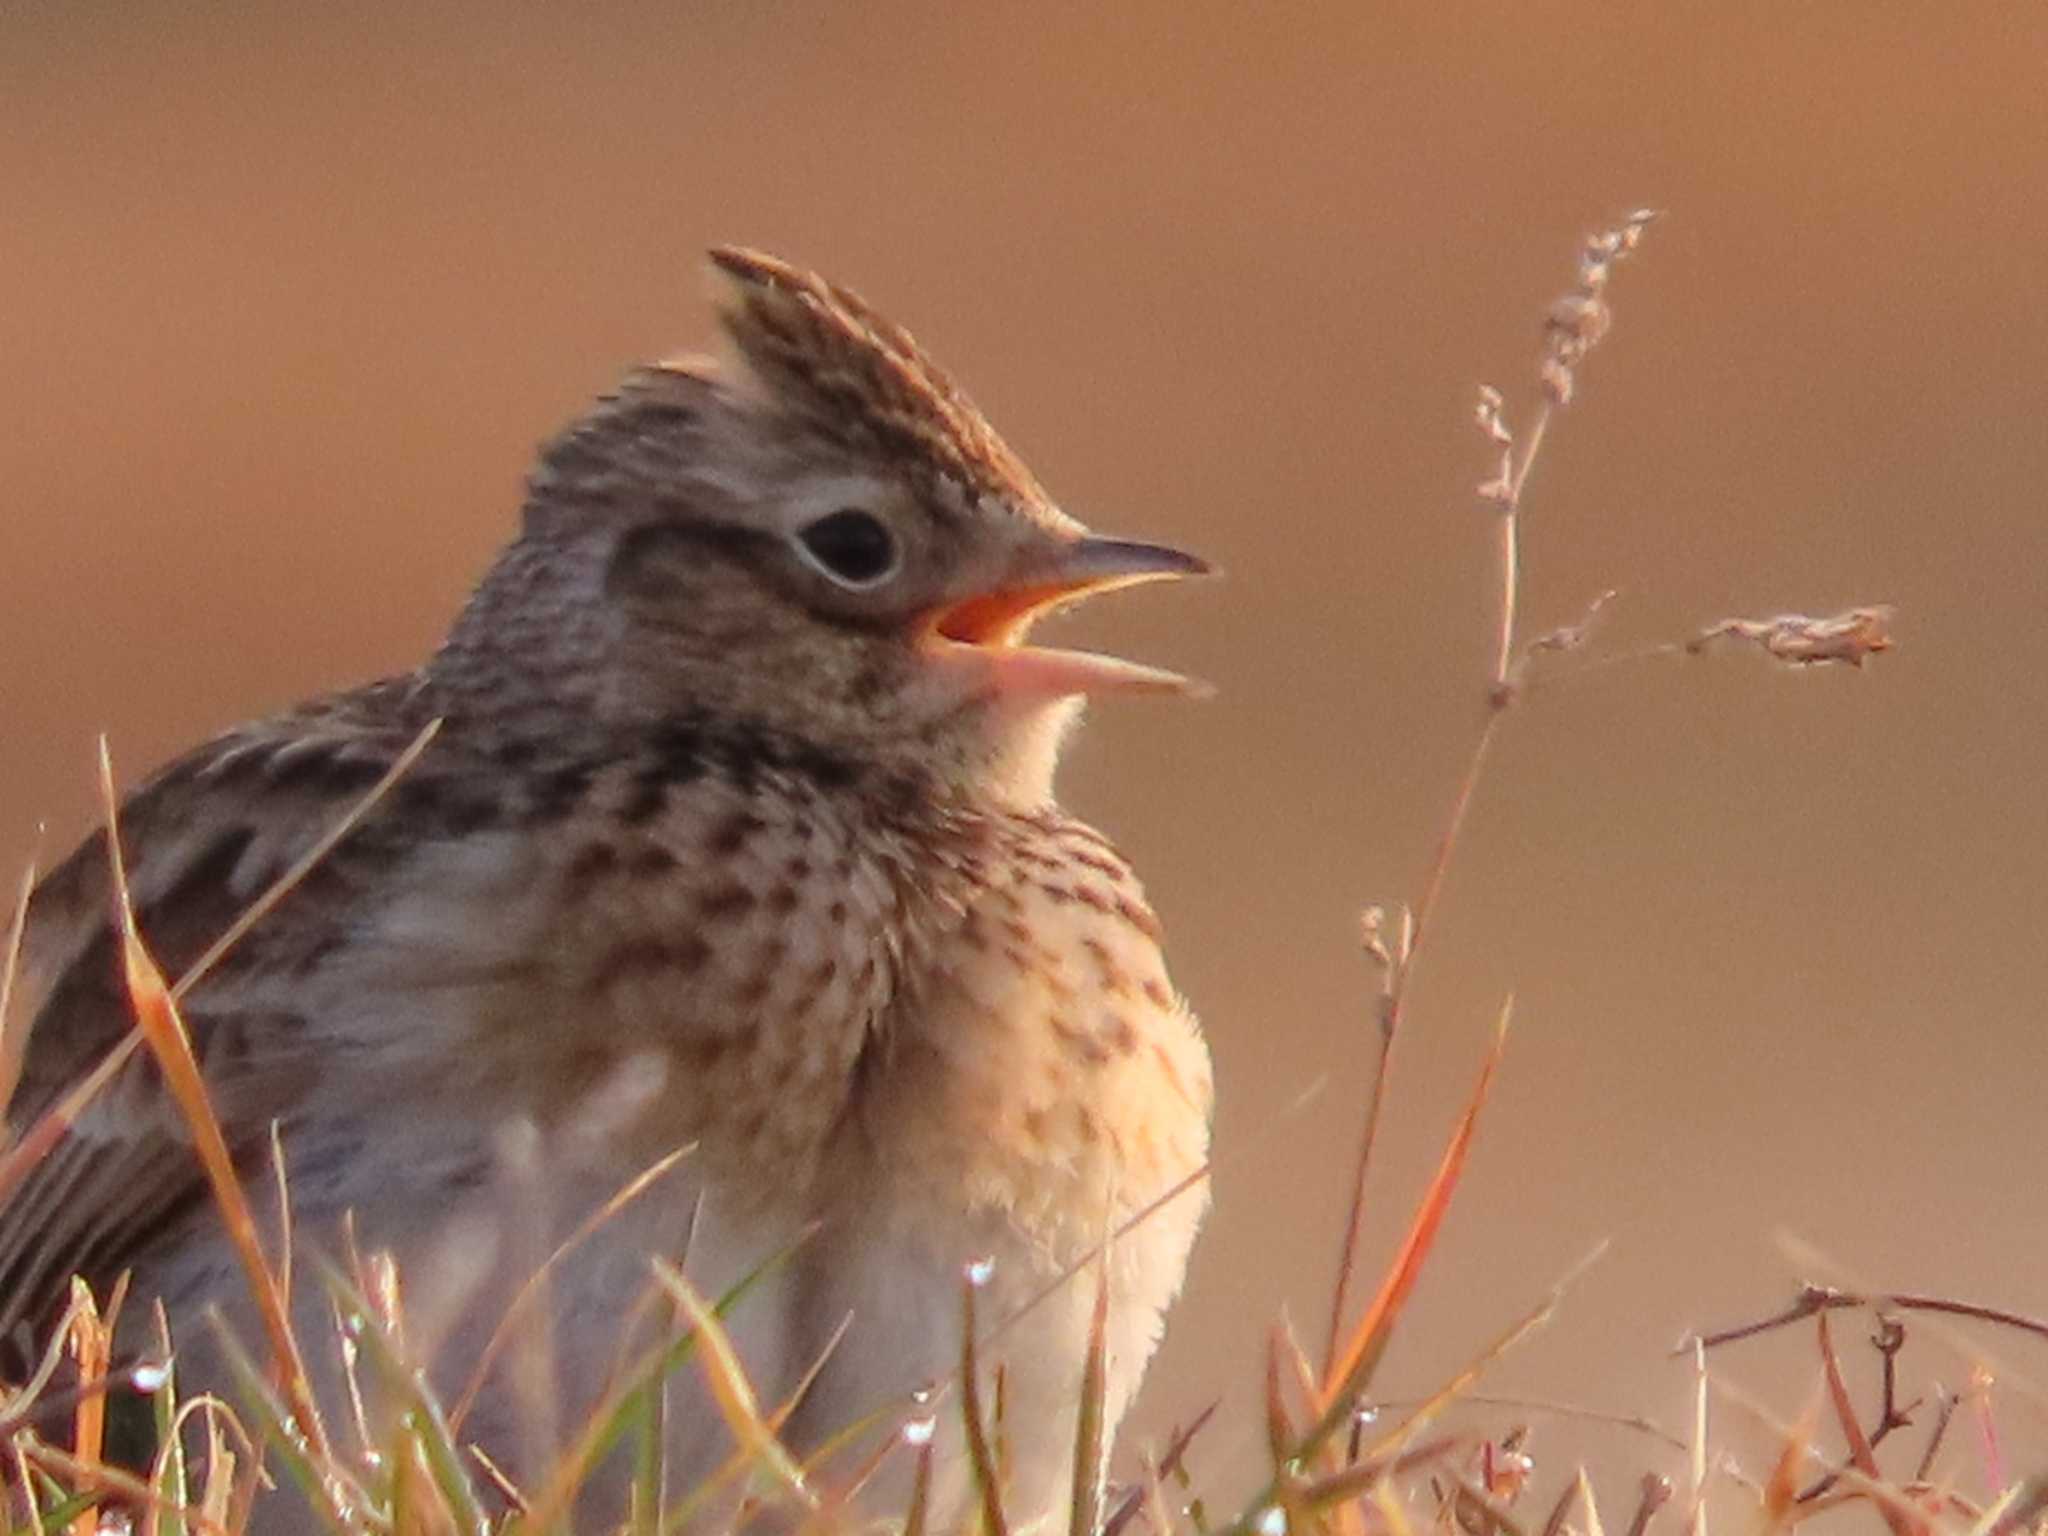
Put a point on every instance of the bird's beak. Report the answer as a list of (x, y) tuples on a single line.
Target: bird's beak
[(991, 625)]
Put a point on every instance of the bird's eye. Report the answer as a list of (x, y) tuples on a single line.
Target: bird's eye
[(854, 548)]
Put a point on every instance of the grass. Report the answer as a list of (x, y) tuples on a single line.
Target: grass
[(1341, 1464)]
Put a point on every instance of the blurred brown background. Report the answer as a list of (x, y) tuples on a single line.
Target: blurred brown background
[(289, 294)]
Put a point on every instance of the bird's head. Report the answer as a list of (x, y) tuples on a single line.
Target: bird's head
[(815, 533)]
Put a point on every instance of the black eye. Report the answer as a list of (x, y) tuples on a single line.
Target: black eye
[(853, 546)]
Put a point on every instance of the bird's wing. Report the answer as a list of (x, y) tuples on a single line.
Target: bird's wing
[(204, 838)]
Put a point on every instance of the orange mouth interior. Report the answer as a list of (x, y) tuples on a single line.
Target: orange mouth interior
[(998, 618)]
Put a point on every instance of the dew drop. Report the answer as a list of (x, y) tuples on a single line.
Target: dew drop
[(1366, 1413), (980, 1272), (919, 1432), (1272, 1521), (150, 1376)]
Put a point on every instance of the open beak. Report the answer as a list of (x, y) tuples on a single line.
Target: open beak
[(993, 624)]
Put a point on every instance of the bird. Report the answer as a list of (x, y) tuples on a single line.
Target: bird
[(735, 838)]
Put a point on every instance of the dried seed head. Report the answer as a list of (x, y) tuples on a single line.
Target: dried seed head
[(1577, 323), (1556, 379), (1803, 641), (1580, 320), (1571, 637), (1500, 490), (1372, 928), (1487, 412)]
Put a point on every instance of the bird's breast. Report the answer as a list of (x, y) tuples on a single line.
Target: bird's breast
[(1040, 1063)]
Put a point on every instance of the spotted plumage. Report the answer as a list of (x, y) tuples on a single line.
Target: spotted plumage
[(737, 833)]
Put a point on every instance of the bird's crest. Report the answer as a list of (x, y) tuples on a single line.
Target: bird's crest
[(817, 347)]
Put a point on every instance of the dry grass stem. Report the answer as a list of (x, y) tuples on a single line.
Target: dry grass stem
[(1813, 1299), (1576, 324), (156, 1012)]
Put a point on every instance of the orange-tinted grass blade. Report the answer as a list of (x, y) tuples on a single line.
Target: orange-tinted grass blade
[(92, 1347), (1781, 1488), (1861, 1454), (1352, 1365), (53, 1123), (156, 1015)]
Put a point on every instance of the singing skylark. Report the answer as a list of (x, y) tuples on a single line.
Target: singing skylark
[(738, 832)]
